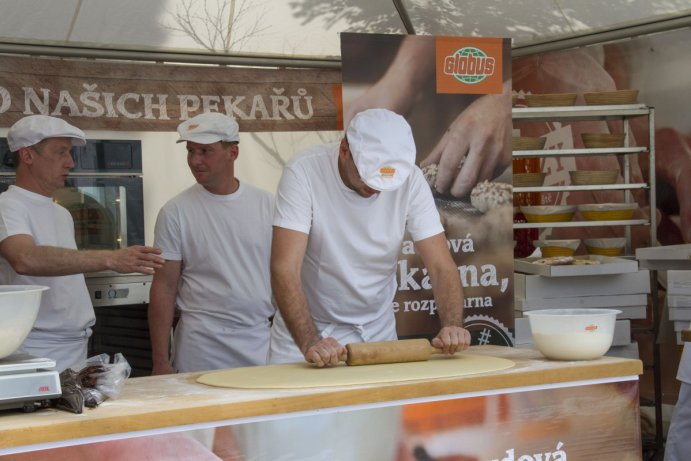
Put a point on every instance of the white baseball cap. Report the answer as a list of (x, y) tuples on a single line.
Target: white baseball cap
[(33, 129), (209, 128), (381, 143)]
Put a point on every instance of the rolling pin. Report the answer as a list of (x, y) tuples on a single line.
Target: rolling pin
[(405, 350)]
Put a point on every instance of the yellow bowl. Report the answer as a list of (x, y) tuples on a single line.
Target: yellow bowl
[(604, 98), (602, 140), (605, 246), (527, 143), (550, 248), (548, 213), (607, 211), (547, 100)]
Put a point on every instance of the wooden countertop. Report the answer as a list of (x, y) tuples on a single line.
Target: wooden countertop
[(160, 402)]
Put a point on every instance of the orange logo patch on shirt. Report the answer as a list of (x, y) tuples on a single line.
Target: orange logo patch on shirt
[(387, 171)]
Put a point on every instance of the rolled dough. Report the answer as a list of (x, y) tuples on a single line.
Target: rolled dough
[(302, 375)]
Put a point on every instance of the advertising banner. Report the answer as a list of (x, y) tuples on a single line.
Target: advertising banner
[(157, 97), (455, 93)]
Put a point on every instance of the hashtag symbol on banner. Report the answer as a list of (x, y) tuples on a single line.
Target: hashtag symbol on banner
[(484, 337)]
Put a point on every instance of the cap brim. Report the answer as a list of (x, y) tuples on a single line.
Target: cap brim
[(200, 139)]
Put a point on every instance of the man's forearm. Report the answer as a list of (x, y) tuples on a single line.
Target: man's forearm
[(161, 314), (448, 295), (54, 261), (294, 310)]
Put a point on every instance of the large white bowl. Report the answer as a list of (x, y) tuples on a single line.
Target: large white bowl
[(572, 334), (18, 310)]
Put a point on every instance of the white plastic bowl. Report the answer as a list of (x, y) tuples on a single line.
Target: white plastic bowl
[(572, 334), (18, 310)]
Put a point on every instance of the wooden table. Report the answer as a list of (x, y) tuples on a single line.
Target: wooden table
[(175, 402)]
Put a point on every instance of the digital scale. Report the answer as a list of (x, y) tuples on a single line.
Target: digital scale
[(26, 380)]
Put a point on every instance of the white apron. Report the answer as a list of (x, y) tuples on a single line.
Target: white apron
[(68, 352), (204, 342)]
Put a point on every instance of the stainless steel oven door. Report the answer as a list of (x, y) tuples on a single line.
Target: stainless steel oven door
[(108, 210)]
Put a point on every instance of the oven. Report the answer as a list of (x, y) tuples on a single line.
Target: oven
[(104, 195)]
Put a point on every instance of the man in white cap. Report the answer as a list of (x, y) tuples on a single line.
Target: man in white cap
[(37, 244), (216, 239), (340, 218), (341, 214)]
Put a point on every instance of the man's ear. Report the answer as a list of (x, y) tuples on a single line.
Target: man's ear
[(234, 151), (26, 155)]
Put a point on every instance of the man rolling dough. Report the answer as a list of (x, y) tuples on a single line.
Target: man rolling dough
[(340, 218), (341, 213)]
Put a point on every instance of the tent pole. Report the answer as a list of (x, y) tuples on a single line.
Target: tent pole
[(605, 36), (403, 13)]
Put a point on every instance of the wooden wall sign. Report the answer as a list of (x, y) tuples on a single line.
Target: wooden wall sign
[(157, 97)]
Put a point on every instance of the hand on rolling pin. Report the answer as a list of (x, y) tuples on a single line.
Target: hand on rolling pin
[(326, 352), (452, 339)]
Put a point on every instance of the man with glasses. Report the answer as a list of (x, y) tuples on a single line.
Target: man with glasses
[(37, 243)]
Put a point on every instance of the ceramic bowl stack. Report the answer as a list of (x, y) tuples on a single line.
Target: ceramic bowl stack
[(548, 213), (605, 246), (607, 211), (550, 248)]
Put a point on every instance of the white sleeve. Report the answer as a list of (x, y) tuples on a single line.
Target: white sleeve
[(14, 219), (167, 234), (293, 201), (423, 219)]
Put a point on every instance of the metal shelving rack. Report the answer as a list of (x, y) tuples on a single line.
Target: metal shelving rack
[(613, 112), (582, 113)]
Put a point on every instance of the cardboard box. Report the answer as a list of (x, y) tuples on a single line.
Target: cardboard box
[(632, 312), (523, 335), (679, 282), (537, 287), (680, 325), (667, 252), (622, 333), (608, 301), (629, 351), (679, 300), (608, 265), (680, 314)]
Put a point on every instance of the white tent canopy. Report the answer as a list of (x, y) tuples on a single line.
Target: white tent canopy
[(304, 28)]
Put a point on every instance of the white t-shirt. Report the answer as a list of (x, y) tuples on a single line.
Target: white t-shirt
[(224, 292), (349, 269), (66, 312)]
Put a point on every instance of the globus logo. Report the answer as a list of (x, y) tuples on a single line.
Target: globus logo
[(469, 65)]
